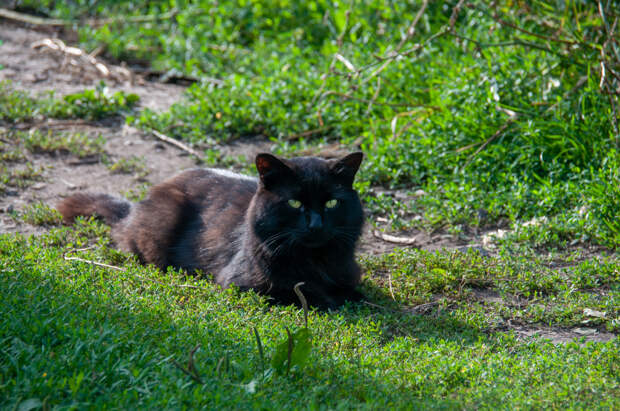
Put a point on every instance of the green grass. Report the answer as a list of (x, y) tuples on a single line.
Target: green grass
[(78, 335), (91, 104), (481, 127), (19, 177), (40, 214), (79, 144), (507, 113), (129, 165)]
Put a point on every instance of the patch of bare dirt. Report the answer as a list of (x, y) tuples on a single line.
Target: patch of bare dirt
[(41, 70), (44, 69), (561, 335)]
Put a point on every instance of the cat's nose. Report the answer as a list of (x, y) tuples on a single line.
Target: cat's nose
[(316, 222)]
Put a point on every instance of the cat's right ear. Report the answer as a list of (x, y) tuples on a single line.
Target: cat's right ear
[(271, 169)]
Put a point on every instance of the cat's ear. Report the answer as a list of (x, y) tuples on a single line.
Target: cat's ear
[(346, 167), (271, 169)]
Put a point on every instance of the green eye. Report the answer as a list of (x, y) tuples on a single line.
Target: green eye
[(294, 203), (331, 203)]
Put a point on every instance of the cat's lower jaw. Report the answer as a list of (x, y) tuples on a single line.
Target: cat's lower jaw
[(321, 289)]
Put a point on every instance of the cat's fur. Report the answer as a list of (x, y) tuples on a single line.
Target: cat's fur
[(243, 230)]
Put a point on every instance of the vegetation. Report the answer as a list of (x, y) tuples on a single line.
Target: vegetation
[(79, 335), (129, 165), (93, 104), (472, 118), (503, 109)]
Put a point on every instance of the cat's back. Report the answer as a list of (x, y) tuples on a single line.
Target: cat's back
[(207, 187), (208, 217)]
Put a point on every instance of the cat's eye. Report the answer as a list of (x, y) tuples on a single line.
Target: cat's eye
[(331, 203), (294, 203)]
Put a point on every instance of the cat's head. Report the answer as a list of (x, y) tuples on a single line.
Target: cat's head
[(307, 202)]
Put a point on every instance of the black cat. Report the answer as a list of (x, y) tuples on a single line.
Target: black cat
[(299, 222)]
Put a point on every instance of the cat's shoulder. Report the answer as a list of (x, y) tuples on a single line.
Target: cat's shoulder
[(201, 179), (194, 174)]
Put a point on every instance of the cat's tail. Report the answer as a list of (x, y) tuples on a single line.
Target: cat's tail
[(110, 209)]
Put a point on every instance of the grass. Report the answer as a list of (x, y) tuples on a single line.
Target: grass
[(487, 111), (91, 104), (80, 145), (77, 335), (129, 165), (490, 119), (40, 214), (18, 177)]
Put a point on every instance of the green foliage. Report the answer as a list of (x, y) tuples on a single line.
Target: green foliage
[(80, 335), (603, 200), (94, 104), (129, 165), (294, 351), (19, 177), (502, 110), (40, 214), (79, 144)]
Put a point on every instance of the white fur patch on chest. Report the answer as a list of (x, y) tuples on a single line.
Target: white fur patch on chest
[(230, 174)]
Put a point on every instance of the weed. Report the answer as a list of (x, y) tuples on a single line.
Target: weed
[(79, 144), (19, 177), (40, 214), (129, 165), (485, 112), (94, 104), (137, 193)]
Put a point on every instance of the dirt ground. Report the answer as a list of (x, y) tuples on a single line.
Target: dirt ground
[(38, 70)]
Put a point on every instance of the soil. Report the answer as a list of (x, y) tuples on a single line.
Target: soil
[(42, 70)]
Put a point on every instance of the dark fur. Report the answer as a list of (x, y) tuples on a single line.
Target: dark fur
[(243, 230)]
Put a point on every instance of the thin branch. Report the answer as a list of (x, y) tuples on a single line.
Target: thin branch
[(307, 133), (113, 267), (363, 100), (176, 143), (34, 20), (302, 298), (394, 239), (390, 284), (190, 370), (332, 63), (498, 133), (42, 21), (374, 96), (396, 52), (495, 16)]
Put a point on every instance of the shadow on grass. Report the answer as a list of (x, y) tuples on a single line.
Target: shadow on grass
[(78, 337)]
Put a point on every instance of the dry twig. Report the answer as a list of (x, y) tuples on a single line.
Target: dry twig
[(42, 21), (113, 267), (176, 143), (394, 239), (81, 59)]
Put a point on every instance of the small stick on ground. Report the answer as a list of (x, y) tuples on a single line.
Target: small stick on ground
[(113, 267), (420, 309), (394, 239), (43, 21), (391, 288), (176, 143)]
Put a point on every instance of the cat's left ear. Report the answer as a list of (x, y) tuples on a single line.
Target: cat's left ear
[(271, 170), (346, 167)]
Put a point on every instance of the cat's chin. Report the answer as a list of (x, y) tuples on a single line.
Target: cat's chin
[(315, 242)]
